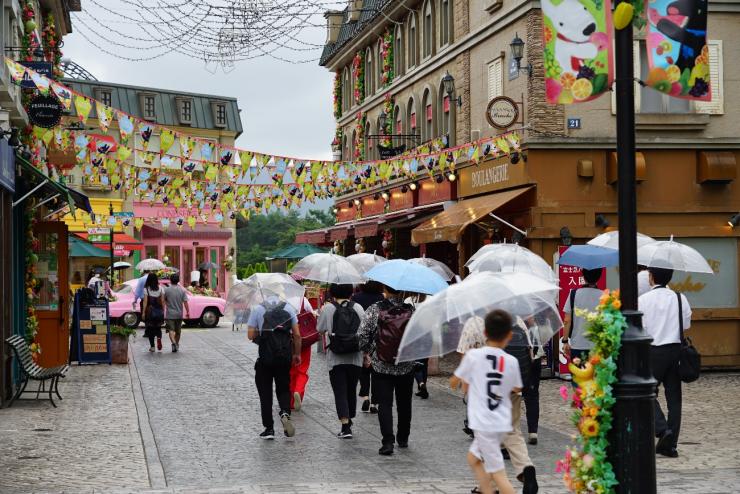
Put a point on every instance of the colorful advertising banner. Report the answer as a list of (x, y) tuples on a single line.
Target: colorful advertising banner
[(578, 49), (678, 54)]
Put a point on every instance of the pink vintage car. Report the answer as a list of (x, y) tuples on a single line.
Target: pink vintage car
[(205, 311)]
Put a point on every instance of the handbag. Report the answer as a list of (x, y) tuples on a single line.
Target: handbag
[(307, 327), (689, 364)]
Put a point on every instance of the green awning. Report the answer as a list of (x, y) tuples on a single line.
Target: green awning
[(48, 188), (295, 251), (80, 248)]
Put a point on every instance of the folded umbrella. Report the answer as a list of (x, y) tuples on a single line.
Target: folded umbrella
[(673, 255), (407, 276), (438, 323), (327, 268), (589, 257)]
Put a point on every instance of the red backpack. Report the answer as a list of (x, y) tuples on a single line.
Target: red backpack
[(392, 321), (307, 327)]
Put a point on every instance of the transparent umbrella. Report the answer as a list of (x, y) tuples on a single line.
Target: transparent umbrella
[(673, 255), (327, 268), (437, 325), (487, 249), (511, 258), (364, 261), (150, 264), (610, 240), (437, 266), (262, 288)]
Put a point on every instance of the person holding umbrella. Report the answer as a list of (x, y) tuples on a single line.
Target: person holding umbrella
[(583, 298), (152, 311), (370, 293)]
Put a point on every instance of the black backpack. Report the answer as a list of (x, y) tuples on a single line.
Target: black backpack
[(275, 340), (345, 324)]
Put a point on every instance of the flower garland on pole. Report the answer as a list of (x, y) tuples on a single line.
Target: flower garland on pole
[(29, 41), (30, 285), (51, 43), (360, 121), (337, 96), (388, 130), (386, 49), (585, 467), (358, 72)]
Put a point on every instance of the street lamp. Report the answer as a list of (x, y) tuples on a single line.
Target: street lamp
[(517, 53), (602, 222), (448, 84), (734, 221), (382, 121)]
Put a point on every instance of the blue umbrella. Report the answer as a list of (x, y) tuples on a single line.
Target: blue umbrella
[(407, 277), (589, 257)]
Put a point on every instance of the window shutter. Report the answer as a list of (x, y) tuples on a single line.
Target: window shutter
[(716, 106), (495, 79)]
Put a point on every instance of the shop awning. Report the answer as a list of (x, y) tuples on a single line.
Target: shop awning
[(339, 232), (120, 241), (295, 251), (81, 248), (200, 231), (312, 237), (47, 189), (449, 224), (366, 229)]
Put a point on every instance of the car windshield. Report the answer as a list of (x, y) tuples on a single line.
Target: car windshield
[(123, 289)]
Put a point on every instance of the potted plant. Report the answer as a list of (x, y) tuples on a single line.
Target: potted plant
[(119, 343)]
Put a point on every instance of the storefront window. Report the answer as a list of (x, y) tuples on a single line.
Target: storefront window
[(46, 272), (152, 252), (173, 254)]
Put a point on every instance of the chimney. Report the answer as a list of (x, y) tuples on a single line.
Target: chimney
[(333, 24), (355, 9)]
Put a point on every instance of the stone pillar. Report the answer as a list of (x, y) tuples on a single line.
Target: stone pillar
[(542, 116), (461, 13)]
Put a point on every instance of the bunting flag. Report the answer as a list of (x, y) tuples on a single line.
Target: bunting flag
[(678, 55), (578, 49), (145, 132), (83, 108), (125, 126), (63, 95), (105, 115), (187, 144), (166, 140)]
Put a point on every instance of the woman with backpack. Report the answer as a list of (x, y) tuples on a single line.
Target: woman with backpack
[(152, 311), (380, 336), (340, 319)]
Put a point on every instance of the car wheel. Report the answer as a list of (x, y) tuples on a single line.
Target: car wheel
[(209, 318), (130, 319)]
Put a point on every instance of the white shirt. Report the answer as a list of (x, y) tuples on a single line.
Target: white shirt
[(643, 282), (194, 276), (659, 307), (491, 375)]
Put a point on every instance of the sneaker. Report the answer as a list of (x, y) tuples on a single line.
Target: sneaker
[(467, 430), (268, 434), (422, 393), (373, 408), (532, 438), (386, 450), (346, 432), (297, 401), (288, 427), (151, 349), (403, 444), (529, 478), (365, 406), (174, 348), (159, 344)]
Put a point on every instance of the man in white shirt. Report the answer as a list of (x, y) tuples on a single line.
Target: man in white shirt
[(661, 313)]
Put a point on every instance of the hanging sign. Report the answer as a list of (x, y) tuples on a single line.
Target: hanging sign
[(44, 111), (43, 68), (502, 112), (387, 152)]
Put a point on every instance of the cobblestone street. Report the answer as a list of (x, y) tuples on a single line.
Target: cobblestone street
[(188, 422)]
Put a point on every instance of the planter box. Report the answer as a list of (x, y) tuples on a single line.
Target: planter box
[(119, 349)]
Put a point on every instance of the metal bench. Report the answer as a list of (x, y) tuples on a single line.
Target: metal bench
[(31, 371)]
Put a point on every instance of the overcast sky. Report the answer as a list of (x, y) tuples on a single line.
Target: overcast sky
[(286, 108)]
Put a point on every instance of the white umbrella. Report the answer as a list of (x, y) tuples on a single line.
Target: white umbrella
[(512, 258), (673, 255), (364, 261), (610, 240), (488, 248), (437, 266), (150, 265), (262, 288), (121, 265), (437, 324), (327, 268)]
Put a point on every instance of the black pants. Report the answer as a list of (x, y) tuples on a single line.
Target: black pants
[(531, 395), (366, 388), (343, 379), (264, 375), (384, 387), (664, 360), (422, 371)]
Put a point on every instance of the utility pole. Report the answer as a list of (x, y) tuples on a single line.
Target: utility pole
[(632, 438)]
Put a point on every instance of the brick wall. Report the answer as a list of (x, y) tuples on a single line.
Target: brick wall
[(542, 116)]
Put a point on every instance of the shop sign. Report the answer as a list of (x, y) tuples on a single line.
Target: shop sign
[(123, 214), (491, 176), (43, 68), (390, 152), (7, 166), (121, 252), (502, 112), (44, 111), (98, 235)]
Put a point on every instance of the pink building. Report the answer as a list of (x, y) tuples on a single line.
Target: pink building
[(186, 248)]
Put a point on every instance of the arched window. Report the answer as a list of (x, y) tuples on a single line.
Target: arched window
[(413, 41), (398, 52), (445, 22), (346, 90), (412, 122), (447, 116), (398, 125), (369, 72), (429, 29), (428, 107), (369, 143), (379, 66)]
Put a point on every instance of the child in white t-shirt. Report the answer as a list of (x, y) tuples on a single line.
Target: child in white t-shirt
[(490, 376)]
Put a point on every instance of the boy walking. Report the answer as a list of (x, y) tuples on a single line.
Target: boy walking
[(490, 376), (175, 298)]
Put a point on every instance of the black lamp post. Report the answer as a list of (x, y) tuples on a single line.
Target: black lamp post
[(448, 85), (382, 121), (632, 438), (517, 53), (110, 212)]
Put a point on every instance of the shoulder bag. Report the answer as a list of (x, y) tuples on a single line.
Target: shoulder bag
[(689, 365)]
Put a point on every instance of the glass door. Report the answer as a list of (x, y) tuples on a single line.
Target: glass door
[(187, 266), (52, 304)]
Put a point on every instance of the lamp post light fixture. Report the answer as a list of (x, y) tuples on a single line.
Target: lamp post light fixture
[(602, 222), (517, 53), (413, 186), (385, 196), (451, 176), (448, 84), (382, 121), (566, 238), (734, 220), (357, 202)]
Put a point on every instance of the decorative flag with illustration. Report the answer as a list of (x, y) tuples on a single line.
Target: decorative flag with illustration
[(678, 54), (578, 49)]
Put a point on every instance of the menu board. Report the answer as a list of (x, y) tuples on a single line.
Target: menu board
[(91, 330)]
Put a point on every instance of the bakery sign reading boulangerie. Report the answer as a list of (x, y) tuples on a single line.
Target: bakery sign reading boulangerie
[(491, 176)]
